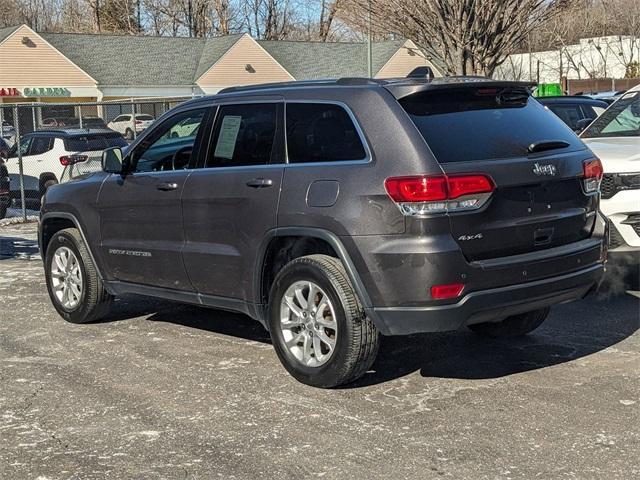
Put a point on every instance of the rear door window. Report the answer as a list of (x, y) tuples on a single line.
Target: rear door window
[(40, 145), (470, 124), (244, 135), (570, 114), (321, 132)]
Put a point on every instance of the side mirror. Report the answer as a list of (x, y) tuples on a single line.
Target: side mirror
[(583, 123), (112, 160)]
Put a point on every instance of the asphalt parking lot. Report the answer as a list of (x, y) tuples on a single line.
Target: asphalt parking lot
[(162, 390)]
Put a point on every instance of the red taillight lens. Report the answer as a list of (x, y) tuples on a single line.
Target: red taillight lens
[(593, 168), (422, 194), (593, 173), (469, 184), (71, 159), (138, 122), (417, 189), (452, 290)]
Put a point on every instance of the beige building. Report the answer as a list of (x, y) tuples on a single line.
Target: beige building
[(60, 67)]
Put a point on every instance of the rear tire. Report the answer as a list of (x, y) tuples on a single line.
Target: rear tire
[(87, 300), (128, 134), (3, 211), (514, 326), (341, 323)]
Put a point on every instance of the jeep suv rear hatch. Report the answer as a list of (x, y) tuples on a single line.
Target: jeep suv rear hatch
[(524, 166)]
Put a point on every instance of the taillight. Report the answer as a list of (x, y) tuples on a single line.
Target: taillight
[(138, 122), (422, 194), (593, 173), (72, 159), (441, 292)]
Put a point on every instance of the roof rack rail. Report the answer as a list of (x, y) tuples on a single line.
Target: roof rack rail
[(353, 81), (357, 81)]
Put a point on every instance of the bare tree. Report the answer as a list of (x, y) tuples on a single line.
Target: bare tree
[(462, 37)]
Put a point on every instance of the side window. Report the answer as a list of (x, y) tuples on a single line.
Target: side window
[(319, 132), (40, 145), (243, 135), (171, 145), (570, 114)]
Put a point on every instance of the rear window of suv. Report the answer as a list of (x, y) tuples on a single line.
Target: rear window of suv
[(470, 124), (87, 143)]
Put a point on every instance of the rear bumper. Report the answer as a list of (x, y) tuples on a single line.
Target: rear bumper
[(488, 305)]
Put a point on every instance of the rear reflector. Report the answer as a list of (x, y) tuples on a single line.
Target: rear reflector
[(422, 194), (441, 292), (593, 173)]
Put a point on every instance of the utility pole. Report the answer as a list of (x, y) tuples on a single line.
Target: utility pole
[(369, 49)]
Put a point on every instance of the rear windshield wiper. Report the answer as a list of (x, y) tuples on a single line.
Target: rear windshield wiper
[(544, 145)]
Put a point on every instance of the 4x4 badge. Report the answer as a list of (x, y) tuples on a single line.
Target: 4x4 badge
[(548, 169)]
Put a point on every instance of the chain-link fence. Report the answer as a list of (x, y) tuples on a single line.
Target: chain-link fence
[(42, 144)]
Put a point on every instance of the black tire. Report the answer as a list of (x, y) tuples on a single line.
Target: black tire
[(128, 134), (95, 301), (357, 339), (514, 326), (3, 211)]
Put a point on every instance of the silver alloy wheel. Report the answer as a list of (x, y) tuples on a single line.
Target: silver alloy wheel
[(66, 278), (308, 323)]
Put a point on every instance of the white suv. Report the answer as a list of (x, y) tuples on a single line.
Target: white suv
[(126, 126), (46, 154), (615, 138)]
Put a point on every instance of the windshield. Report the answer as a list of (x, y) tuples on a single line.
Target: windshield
[(622, 119), (86, 143), (473, 124)]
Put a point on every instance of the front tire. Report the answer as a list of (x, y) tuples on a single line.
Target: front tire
[(75, 289), (318, 326), (513, 326)]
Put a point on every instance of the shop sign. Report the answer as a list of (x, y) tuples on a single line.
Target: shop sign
[(46, 92), (9, 92)]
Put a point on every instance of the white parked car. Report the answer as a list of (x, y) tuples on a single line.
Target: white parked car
[(615, 138), (47, 153), (127, 126)]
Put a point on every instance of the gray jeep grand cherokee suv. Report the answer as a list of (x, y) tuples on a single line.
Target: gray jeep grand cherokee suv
[(336, 211)]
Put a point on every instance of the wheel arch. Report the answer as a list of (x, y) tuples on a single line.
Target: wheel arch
[(53, 222), (299, 241)]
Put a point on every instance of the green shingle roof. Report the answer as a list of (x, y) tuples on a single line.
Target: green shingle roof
[(213, 49), (5, 32), (131, 60), (317, 60), (125, 60)]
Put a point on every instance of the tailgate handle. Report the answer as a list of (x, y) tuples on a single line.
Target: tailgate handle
[(543, 236)]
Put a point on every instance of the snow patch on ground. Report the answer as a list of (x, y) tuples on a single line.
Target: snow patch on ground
[(14, 216)]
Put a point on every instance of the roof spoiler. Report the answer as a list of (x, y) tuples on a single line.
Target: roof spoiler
[(403, 89)]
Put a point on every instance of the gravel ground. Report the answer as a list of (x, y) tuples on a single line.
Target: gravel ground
[(162, 390)]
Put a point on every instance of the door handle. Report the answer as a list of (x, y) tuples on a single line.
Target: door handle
[(260, 183), (166, 186)]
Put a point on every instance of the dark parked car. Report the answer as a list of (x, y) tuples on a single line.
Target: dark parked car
[(576, 111), (336, 211)]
